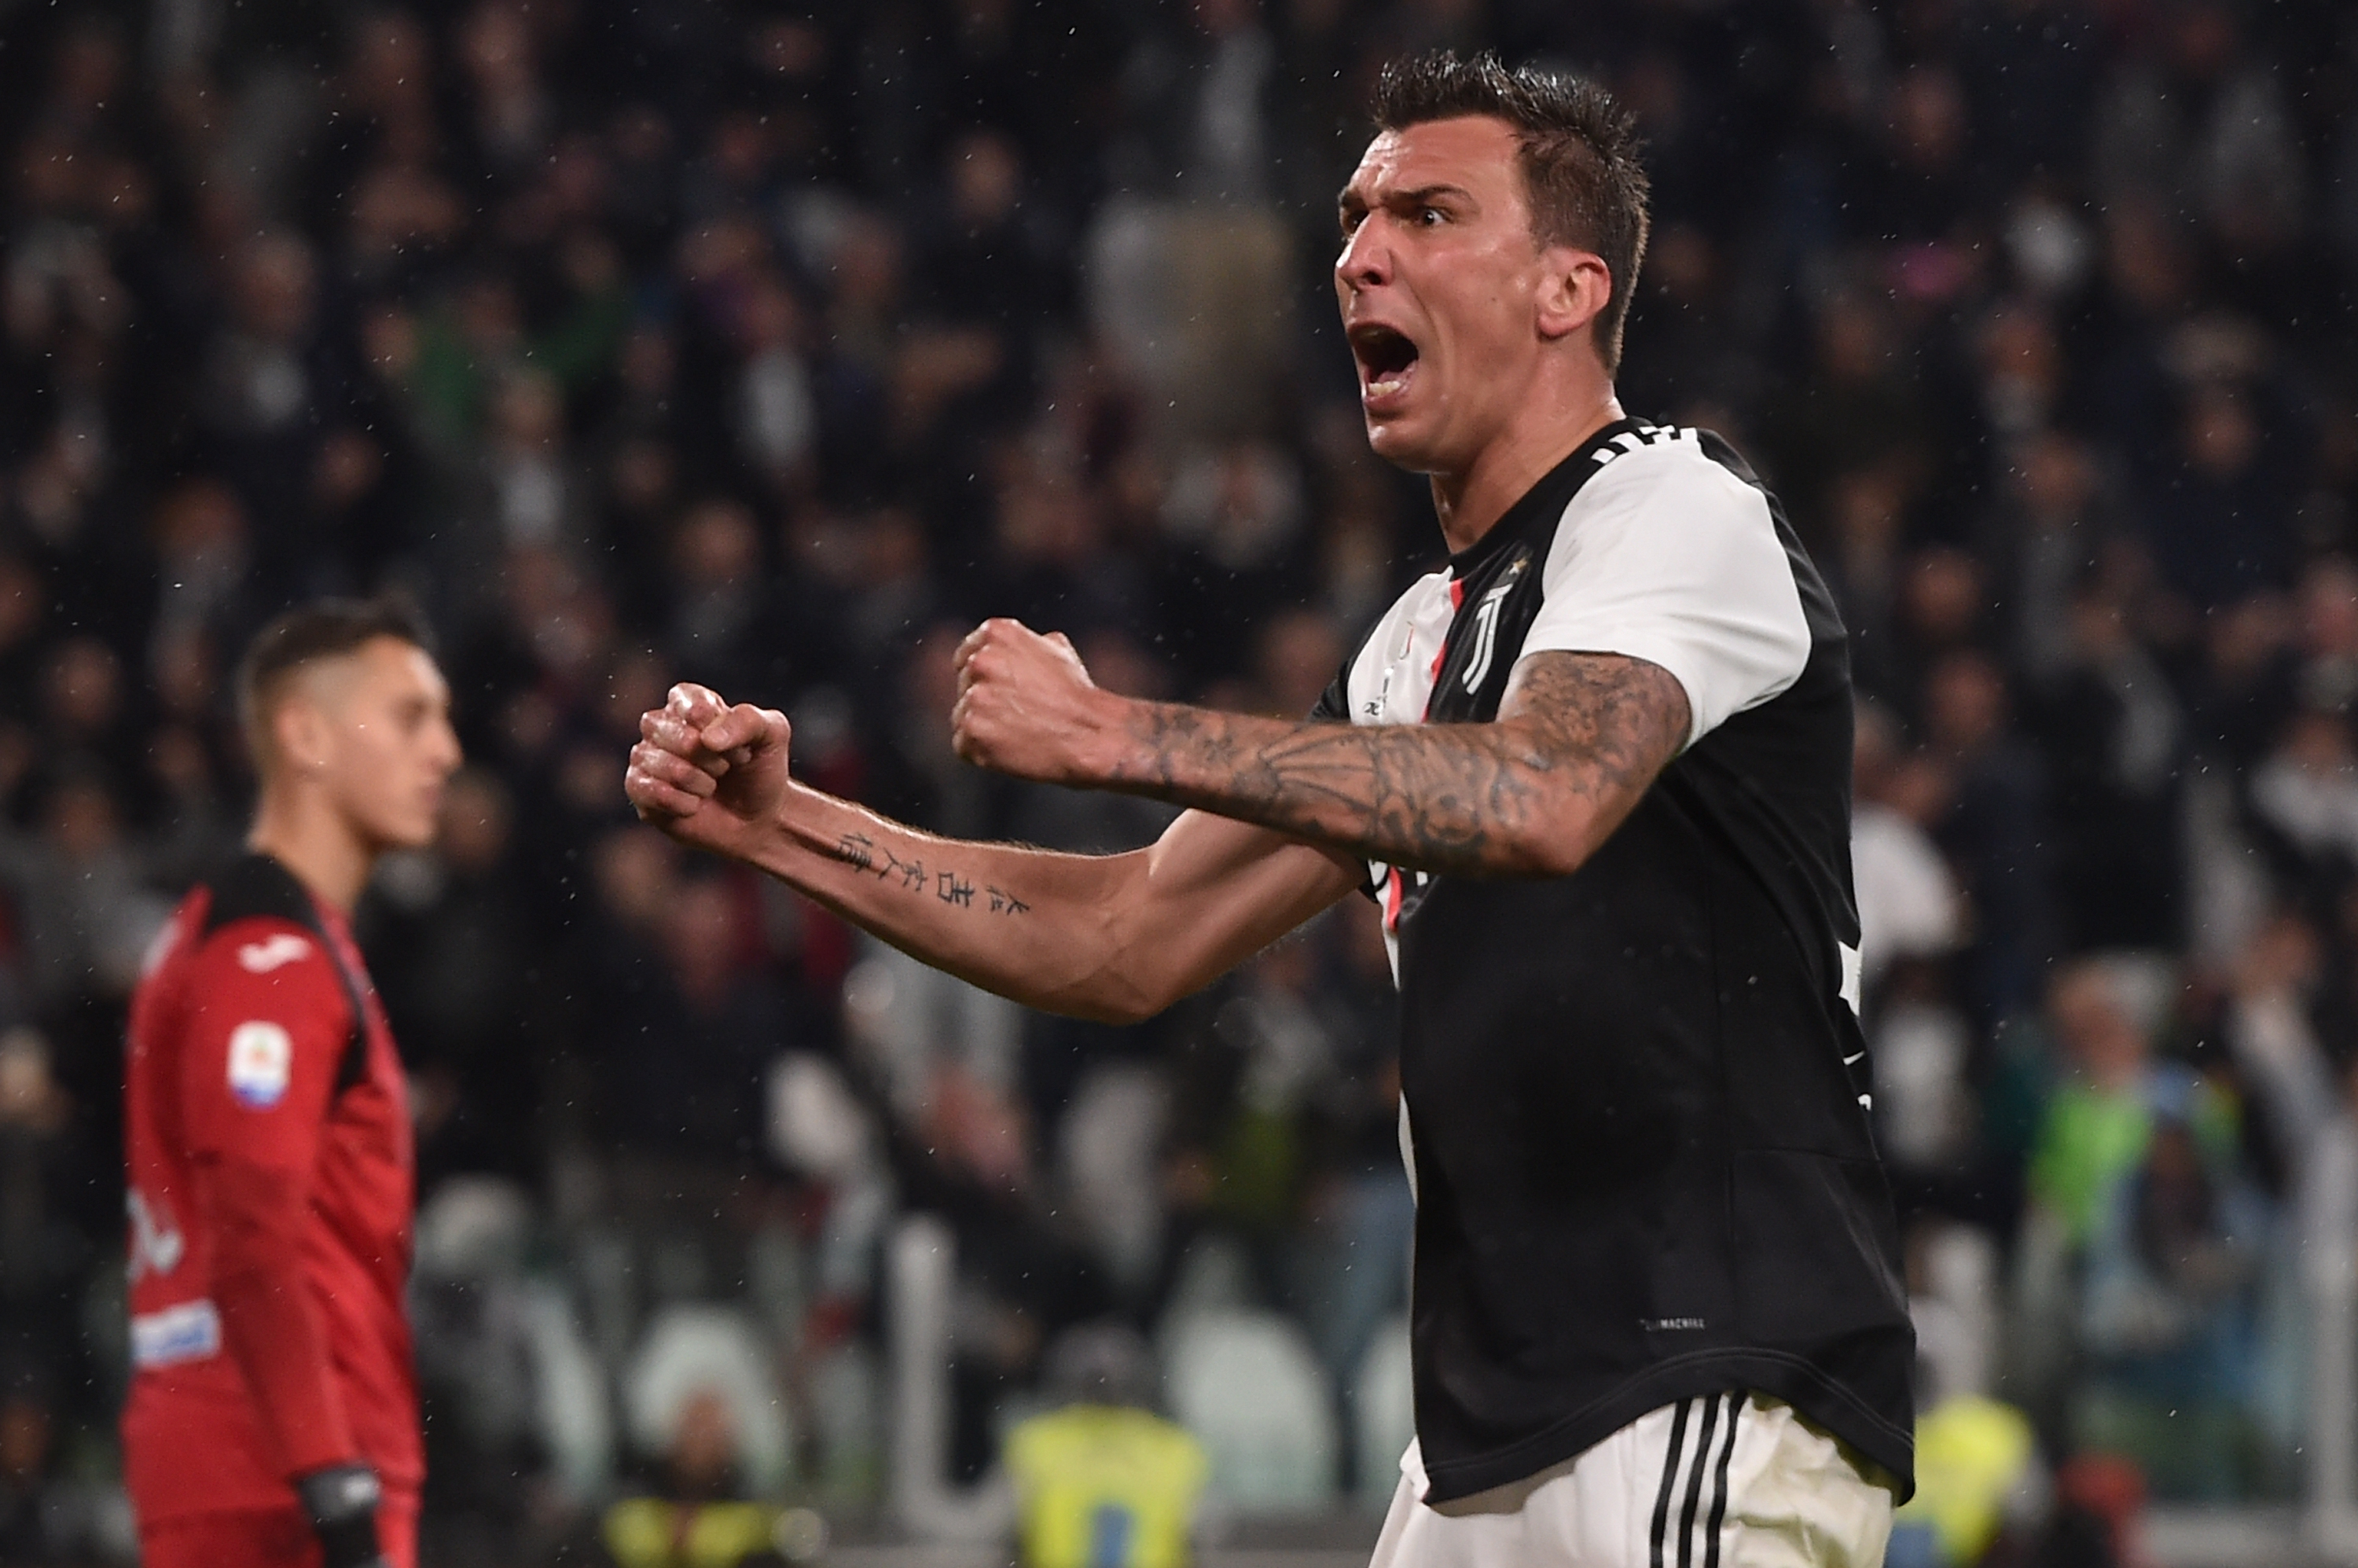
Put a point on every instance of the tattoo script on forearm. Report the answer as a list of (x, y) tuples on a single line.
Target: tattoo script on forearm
[(1579, 736), (946, 884)]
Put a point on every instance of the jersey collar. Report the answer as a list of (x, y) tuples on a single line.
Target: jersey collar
[(1538, 507)]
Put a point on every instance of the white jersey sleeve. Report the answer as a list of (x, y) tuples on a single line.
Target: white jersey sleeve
[(1668, 556)]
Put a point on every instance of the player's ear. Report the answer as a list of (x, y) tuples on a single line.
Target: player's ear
[(300, 734), (1574, 287)]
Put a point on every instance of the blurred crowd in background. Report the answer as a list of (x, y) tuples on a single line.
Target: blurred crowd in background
[(774, 345)]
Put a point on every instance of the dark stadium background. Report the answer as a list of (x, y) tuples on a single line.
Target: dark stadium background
[(774, 345)]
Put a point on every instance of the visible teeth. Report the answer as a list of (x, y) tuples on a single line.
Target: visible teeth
[(1388, 385)]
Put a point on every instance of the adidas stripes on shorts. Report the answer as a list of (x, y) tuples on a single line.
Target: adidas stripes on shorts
[(1732, 1480)]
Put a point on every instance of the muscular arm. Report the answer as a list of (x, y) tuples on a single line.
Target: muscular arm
[(1113, 937), (1286, 814), (1579, 740)]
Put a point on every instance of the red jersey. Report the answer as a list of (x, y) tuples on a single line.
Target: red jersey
[(272, 1182)]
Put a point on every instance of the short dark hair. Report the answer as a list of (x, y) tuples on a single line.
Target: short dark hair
[(1579, 161), (323, 628)]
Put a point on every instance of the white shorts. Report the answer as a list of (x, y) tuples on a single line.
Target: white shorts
[(1688, 1486)]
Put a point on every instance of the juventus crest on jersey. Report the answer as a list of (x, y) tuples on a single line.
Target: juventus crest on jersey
[(1635, 1097)]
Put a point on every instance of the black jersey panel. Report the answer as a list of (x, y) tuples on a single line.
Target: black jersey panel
[(1814, 1270), (1334, 704), (1645, 1171), (1577, 1149)]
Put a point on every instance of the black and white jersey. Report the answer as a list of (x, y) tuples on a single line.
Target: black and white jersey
[(1634, 1099)]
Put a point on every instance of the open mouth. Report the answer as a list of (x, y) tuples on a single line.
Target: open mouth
[(1387, 359)]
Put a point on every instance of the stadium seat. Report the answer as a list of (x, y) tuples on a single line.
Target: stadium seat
[(1109, 1153), (694, 1346), (1245, 1383), (510, 1341), (473, 1227), (571, 1409)]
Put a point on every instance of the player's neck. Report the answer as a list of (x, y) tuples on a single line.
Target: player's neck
[(316, 842), (1469, 503)]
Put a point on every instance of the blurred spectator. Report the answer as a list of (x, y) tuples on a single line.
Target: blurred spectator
[(2043, 535), (2100, 1118), (1857, 411), (688, 1050), (43, 1249), (2329, 631), (2138, 1160), (2168, 1311), (456, 969), (696, 1516), (1908, 901), (87, 914), (1979, 1474), (1100, 1478), (2218, 519), (45, 1514), (2112, 732), (716, 566), (1995, 829), (2306, 791)]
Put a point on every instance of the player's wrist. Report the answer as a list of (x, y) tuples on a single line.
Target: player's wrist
[(809, 819), (806, 837), (341, 1502), (1109, 747)]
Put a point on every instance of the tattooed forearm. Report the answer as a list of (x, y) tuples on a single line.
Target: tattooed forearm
[(946, 885), (1579, 740)]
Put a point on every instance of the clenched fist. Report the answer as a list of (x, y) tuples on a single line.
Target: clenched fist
[(1027, 707), (707, 774)]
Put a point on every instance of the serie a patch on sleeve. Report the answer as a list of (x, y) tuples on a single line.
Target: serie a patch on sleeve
[(261, 1058)]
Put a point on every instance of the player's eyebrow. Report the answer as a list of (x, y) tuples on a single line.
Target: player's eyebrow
[(1349, 202)]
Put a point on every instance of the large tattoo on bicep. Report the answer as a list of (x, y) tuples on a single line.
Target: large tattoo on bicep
[(1579, 738)]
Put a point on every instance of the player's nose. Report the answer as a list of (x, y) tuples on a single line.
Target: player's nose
[(1366, 260)]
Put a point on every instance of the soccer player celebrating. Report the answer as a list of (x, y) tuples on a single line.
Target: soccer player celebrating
[(1596, 771), (273, 1417)]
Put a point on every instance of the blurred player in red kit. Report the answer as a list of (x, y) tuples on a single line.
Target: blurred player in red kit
[(273, 1417)]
